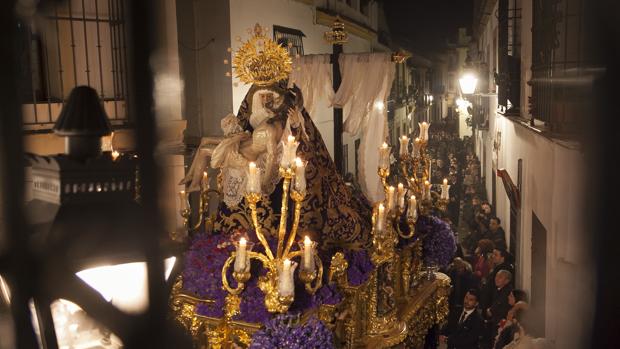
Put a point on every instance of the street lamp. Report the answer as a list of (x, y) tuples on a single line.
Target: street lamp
[(84, 214), (468, 82)]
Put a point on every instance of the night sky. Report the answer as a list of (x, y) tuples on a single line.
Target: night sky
[(424, 25)]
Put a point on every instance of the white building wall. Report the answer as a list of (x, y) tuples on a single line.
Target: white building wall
[(551, 189)]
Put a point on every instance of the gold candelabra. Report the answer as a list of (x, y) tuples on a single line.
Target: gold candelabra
[(185, 209), (415, 167), (277, 284)]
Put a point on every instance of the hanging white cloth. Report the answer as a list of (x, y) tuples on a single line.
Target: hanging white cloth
[(312, 74), (366, 84)]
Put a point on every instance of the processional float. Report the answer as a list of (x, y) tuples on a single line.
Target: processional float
[(398, 302)]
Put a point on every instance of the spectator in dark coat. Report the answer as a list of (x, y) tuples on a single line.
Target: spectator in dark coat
[(463, 280), (499, 307), (502, 260), (465, 324), (496, 233)]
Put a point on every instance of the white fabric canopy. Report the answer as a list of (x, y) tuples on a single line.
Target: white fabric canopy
[(366, 84), (313, 75)]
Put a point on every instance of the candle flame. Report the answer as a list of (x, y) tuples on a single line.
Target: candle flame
[(291, 138), (298, 162), (307, 240), (252, 165), (242, 241), (384, 145)]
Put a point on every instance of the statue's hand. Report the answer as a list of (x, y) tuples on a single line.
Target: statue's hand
[(294, 116)]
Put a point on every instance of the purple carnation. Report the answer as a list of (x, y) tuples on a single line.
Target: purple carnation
[(360, 266), (327, 294), (277, 334)]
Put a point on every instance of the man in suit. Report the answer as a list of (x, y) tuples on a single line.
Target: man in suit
[(502, 260), (465, 325), (498, 308)]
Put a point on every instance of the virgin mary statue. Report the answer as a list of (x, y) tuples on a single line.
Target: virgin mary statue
[(330, 213)]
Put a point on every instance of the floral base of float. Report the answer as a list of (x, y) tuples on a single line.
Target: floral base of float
[(364, 301)]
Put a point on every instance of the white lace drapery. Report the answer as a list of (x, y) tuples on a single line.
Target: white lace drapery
[(366, 83), (313, 75)]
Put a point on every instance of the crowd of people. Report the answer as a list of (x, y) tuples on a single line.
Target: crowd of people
[(486, 310)]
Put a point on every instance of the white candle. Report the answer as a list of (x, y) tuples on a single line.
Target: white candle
[(300, 175), (384, 156), (390, 198), (285, 279), (253, 178), (404, 146), (413, 206), (424, 130), (183, 200), (427, 190), (308, 254), (289, 151), (241, 255), (416, 147), (430, 166), (205, 181), (445, 190), (401, 196), (380, 214)]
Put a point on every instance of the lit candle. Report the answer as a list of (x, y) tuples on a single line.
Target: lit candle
[(285, 279), (404, 146), (424, 130), (300, 175), (205, 180), (241, 255), (384, 156), (445, 190), (413, 206), (380, 214), (289, 151), (183, 200), (427, 190), (390, 198), (308, 252), (115, 155), (401, 196), (253, 178), (416, 147)]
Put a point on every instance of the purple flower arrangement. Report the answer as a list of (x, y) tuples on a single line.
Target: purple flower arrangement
[(278, 334), (202, 277), (360, 266), (327, 294), (438, 241)]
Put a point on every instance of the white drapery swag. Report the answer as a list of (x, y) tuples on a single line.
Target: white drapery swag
[(312, 74), (366, 83)]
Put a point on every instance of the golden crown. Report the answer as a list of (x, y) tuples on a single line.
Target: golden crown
[(261, 61)]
